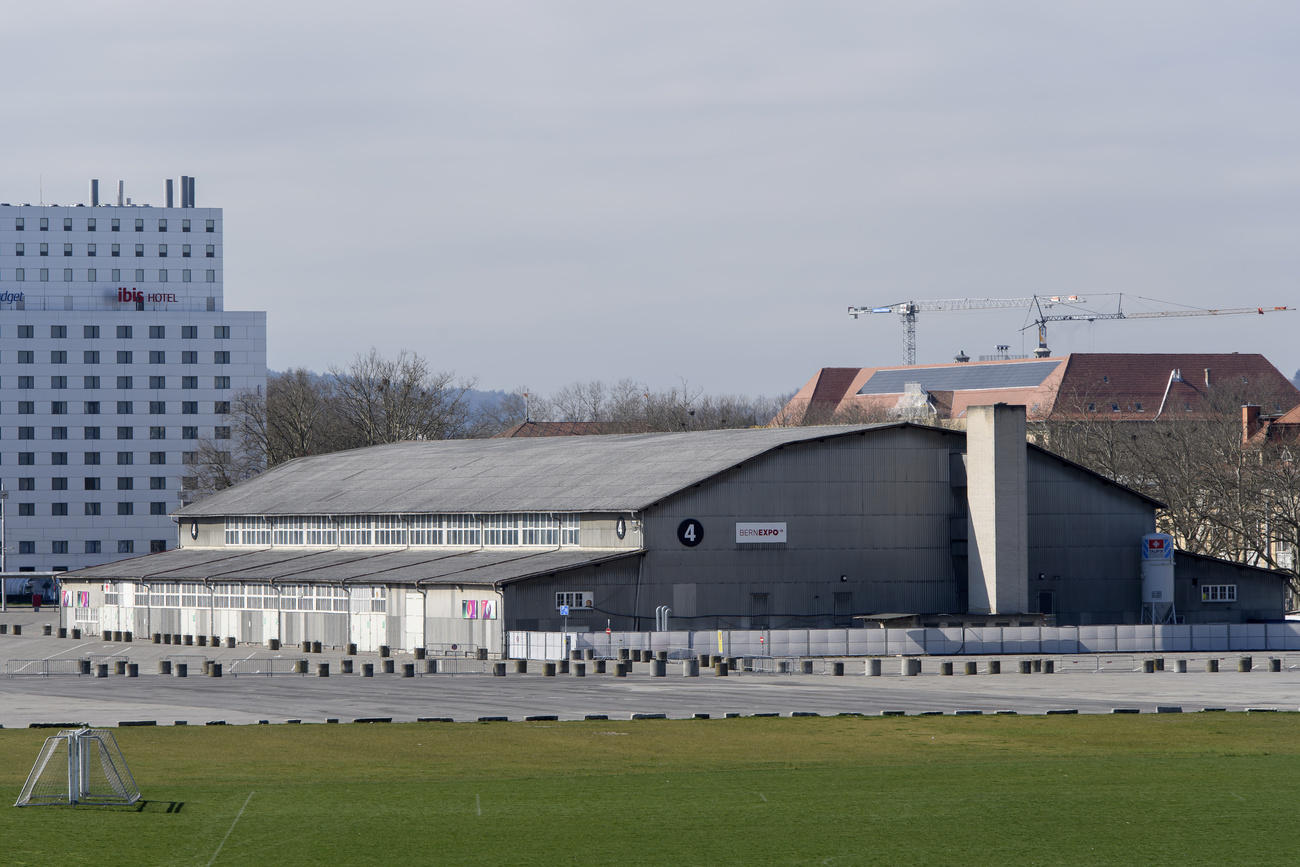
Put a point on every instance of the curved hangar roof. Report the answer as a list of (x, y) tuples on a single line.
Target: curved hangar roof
[(562, 474)]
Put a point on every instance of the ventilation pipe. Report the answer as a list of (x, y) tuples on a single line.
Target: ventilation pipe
[(94, 192), (121, 193), (167, 195)]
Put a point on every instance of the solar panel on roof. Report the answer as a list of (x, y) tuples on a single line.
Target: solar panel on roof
[(1026, 374)]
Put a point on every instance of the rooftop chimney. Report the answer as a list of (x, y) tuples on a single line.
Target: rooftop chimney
[(94, 192), (167, 194), (1207, 377), (185, 191), (1250, 424), (961, 357), (121, 193)]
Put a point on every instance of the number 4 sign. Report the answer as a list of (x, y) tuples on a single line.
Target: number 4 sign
[(690, 532)]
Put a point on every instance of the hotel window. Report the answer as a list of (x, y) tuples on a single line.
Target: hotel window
[(125, 382), (45, 275), (26, 433), (92, 545), (221, 432), (125, 546), (60, 546), (90, 433), (29, 381), (189, 382), (26, 331), (67, 249), (58, 459), (126, 508), (221, 332), (67, 224), (27, 483), (26, 459), (20, 274), (125, 433), (58, 407), (157, 356), (56, 382), (125, 407), (26, 407), (185, 225), (58, 332), (91, 509), (139, 251), (90, 332), (189, 332), (20, 223), (59, 510), (91, 275), (157, 407), (157, 332), (91, 250), (67, 275), (20, 250), (190, 407), (90, 224), (117, 274), (45, 249), (59, 483), (124, 332), (185, 275), (125, 483), (116, 225), (157, 508), (124, 356), (157, 382), (58, 433), (162, 225), (139, 225), (189, 433), (90, 407), (59, 356), (221, 357), (26, 356), (26, 547), (189, 357), (211, 252), (45, 224), (221, 382), (158, 483), (221, 407), (162, 275), (185, 251), (26, 510), (90, 483), (115, 251), (211, 276), (210, 226), (157, 458), (90, 356), (139, 278)]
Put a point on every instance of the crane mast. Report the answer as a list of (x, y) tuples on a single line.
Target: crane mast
[(907, 310)]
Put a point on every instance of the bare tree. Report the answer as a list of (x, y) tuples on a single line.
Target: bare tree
[(384, 400)]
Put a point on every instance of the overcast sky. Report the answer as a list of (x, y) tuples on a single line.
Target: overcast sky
[(535, 193)]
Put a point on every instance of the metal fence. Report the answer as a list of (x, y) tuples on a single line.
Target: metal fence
[(42, 667)]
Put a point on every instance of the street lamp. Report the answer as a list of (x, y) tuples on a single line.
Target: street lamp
[(4, 581)]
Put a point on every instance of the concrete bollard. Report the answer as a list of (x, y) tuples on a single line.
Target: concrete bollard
[(164, 666), (837, 669), (117, 635), (167, 639), (1038, 666), (189, 640), (203, 641), (602, 666), (176, 638), (384, 650), (63, 632), (408, 669), (1211, 665), (101, 670), (367, 669), (945, 668), (133, 669), (910, 667), (621, 669), (76, 634), (300, 666), (273, 643), (1049, 666), (421, 653), (624, 654), (874, 668), (127, 635), (207, 667), (156, 638), (733, 663), (564, 666), (104, 635), (215, 671), (548, 669), (806, 666), (690, 668), (1245, 663), (720, 668), (83, 666), (972, 668), (703, 660), (589, 653), (658, 668), (1275, 665), (1026, 666), (315, 647), (498, 669), (230, 642), (48, 630), (119, 666), (1160, 663), (352, 650), (1181, 666), (662, 656), (783, 666), (389, 666), (214, 641), (431, 666), (346, 666), (714, 659), (521, 666), (4, 628), (636, 654), (579, 669), (304, 646), (181, 669), (575, 655), (995, 666), (482, 654), (322, 669)]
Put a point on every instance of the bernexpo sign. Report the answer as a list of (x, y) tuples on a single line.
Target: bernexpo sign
[(754, 534)]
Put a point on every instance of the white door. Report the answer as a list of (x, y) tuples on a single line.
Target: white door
[(413, 621)]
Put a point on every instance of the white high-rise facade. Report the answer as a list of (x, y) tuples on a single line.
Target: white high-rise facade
[(117, 359)]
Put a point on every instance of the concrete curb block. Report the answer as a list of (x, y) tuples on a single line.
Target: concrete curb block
[(1069, 710), (137, 722), (373, 719), (215, 722), (893, 713), (930, 713), (494, 719), (700, 716), (649, 716), (731, 715), (542, 717), (443, 719), (1214, 710), (1005, 713), (803, 713), (763, 715), (968, 713), (852, 713), (1124, 710), (1169, 708), (57, 725), (595, 716), (1261, 710)]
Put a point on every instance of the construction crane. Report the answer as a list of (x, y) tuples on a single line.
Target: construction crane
[(1088, 316), (907, 311)]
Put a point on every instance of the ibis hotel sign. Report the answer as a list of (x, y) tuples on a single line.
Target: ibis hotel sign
[(761, 534), (135, 296)]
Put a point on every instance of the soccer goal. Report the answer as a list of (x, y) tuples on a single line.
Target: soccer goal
[(79, 766)]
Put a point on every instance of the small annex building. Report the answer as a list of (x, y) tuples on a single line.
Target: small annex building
[(434, 544)]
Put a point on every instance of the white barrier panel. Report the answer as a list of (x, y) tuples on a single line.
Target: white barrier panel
[(946, 641)]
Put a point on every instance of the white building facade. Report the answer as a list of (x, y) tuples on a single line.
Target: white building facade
[(117, 359)]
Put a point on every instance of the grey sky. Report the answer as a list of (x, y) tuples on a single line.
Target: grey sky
[(536, 193)]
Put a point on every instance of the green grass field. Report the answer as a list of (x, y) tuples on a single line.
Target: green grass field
[(1193, 788)]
